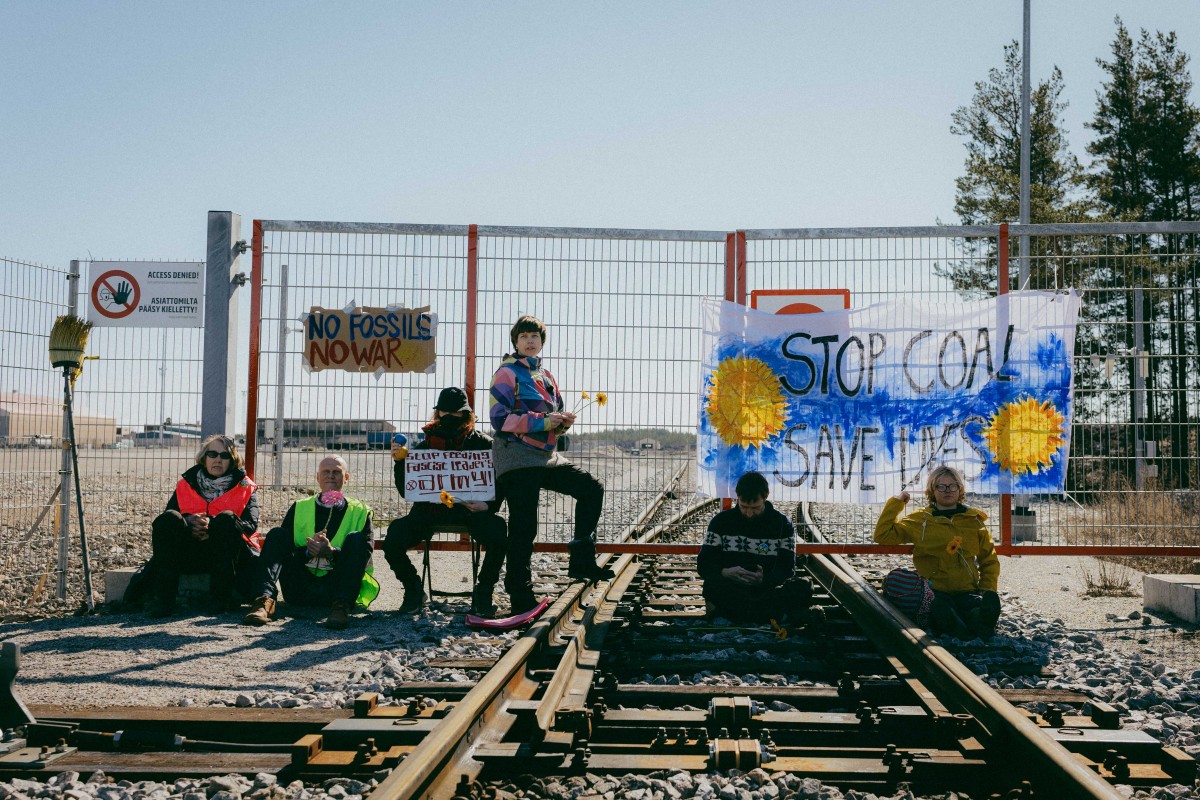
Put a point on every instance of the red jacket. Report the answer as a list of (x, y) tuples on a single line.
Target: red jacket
[(189, 501)]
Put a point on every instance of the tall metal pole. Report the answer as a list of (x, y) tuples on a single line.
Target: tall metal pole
[(65, 470), (280, 375), (1023, 240)]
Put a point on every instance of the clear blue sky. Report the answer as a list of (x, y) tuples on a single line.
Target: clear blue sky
[(123, 123)]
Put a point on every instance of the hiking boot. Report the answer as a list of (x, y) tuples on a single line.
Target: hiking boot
[(261, 612), (583, 566), (414, 598), (339, 616), (482, 604)]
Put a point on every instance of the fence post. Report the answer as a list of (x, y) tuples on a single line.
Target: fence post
[(221, 281), (472, 310), (65, 474), (256, 257), (1001, 331)]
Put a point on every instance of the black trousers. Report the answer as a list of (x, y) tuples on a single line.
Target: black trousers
[(522, 488), (754, 604), (281, 561), (175, 551), (423, 519)]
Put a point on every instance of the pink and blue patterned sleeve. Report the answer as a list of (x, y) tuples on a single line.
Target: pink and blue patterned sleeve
[(502, 411)]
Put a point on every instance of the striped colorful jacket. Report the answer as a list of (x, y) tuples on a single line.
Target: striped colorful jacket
[(522, 394)]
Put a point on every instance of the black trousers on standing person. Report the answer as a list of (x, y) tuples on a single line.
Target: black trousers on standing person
[(522, 488), (419, 524), (176, 551)]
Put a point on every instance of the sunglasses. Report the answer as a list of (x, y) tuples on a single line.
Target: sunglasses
[(215, 454)]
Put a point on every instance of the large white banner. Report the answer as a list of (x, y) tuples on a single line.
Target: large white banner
[(853, 406)]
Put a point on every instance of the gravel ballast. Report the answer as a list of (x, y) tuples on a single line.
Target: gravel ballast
[(1105, 647)]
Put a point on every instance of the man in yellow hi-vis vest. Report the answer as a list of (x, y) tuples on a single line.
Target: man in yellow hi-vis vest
[(321, 554)]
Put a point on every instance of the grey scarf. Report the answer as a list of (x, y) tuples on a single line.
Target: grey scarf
[(212, 488)]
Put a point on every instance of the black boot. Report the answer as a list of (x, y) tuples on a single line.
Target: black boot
[(521, 600), (414, 597), (583, 566), (482, 604), (166, 587)]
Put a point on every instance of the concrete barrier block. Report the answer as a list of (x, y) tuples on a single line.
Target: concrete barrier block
[(116, 582), (1024, 528), (1177, 595)]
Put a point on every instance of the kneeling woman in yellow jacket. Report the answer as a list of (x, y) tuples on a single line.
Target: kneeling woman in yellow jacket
[(953, 550)]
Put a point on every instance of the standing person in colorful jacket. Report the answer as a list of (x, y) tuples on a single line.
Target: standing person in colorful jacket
[(320, 555), (452, 427), (210, 525), (527, 414), (953, 550)]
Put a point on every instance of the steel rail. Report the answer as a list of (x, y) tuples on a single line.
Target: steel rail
[(1053, 765), (479, 716)]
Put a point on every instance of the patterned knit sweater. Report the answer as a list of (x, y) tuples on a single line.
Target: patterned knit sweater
[(735, 540)]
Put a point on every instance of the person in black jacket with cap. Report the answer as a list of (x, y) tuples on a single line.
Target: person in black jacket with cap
[(452, 427)]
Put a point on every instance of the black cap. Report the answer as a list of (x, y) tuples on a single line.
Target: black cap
[(452, 400)]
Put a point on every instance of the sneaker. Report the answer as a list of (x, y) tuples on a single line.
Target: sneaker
[(339, 616), (261, 612)]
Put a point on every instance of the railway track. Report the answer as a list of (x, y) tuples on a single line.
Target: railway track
[(852, 695)]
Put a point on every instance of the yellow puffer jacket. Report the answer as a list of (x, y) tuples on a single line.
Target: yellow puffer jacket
[(970, 566)]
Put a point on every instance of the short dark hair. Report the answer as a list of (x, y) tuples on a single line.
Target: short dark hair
[(527, 323), (752, 486)]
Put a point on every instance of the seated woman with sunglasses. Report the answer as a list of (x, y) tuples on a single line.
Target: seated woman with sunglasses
[(210, 525), (952, 550)]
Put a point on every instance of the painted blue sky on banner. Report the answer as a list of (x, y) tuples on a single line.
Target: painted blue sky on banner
[(853, 406)]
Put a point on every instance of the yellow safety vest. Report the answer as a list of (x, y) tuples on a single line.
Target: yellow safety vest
[(304, 526)]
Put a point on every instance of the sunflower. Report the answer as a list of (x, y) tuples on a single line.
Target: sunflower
[(953, 545), (447, 499)]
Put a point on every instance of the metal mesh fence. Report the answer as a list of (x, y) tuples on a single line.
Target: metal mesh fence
[(146, 383), (31, 431), (1133, 475), (622, 312)]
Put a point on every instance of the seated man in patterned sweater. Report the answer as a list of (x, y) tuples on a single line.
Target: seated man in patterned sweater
[(748, 560)]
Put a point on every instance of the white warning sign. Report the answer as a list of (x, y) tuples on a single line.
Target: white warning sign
[(146, 294)]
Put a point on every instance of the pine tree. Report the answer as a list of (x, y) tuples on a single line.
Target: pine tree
[(989, 191), (1147, 168)]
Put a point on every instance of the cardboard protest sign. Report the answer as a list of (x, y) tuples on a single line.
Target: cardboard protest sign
[(854, 406), (370, 339), (464, 474)]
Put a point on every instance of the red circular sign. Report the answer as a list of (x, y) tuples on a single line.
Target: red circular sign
[(115, 294)]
